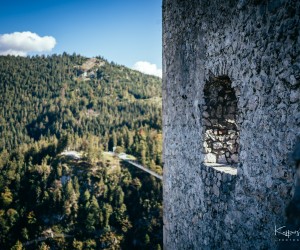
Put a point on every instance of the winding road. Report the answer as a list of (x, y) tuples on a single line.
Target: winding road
[(127, 158), (144, 169), (51, 236), (121, 156)]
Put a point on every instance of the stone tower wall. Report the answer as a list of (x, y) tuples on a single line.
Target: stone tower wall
[(256, 44)]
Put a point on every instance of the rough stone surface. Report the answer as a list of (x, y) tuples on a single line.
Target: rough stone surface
[(221, 133), (292, 212), (256, 44)]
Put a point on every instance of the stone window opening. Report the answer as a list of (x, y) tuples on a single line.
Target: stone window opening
[(219, 119)]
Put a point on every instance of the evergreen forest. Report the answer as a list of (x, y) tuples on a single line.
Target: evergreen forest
[(55, 104)]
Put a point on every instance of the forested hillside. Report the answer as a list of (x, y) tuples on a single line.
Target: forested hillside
[(47, 96), (50, 104)]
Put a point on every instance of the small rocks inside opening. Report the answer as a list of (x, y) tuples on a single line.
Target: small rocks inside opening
[(221, 134)]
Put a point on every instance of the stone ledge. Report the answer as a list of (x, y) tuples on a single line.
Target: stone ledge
[(225, 168)]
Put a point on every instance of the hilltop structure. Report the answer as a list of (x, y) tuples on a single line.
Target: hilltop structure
[(231, 118)]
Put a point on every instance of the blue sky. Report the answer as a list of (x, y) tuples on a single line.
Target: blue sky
[(123, 31)]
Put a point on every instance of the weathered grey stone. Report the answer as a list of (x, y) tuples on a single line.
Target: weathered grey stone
[(208, 183), (205, 114), (222, 159), (255, 44), (294, 97), (210, 157), (234, 157), (216, 190), (217, 145)]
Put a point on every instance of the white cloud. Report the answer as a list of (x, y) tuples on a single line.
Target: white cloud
[(147, 68), (20, 43)]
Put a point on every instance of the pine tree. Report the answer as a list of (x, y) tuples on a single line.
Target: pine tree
[(17, 246)]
